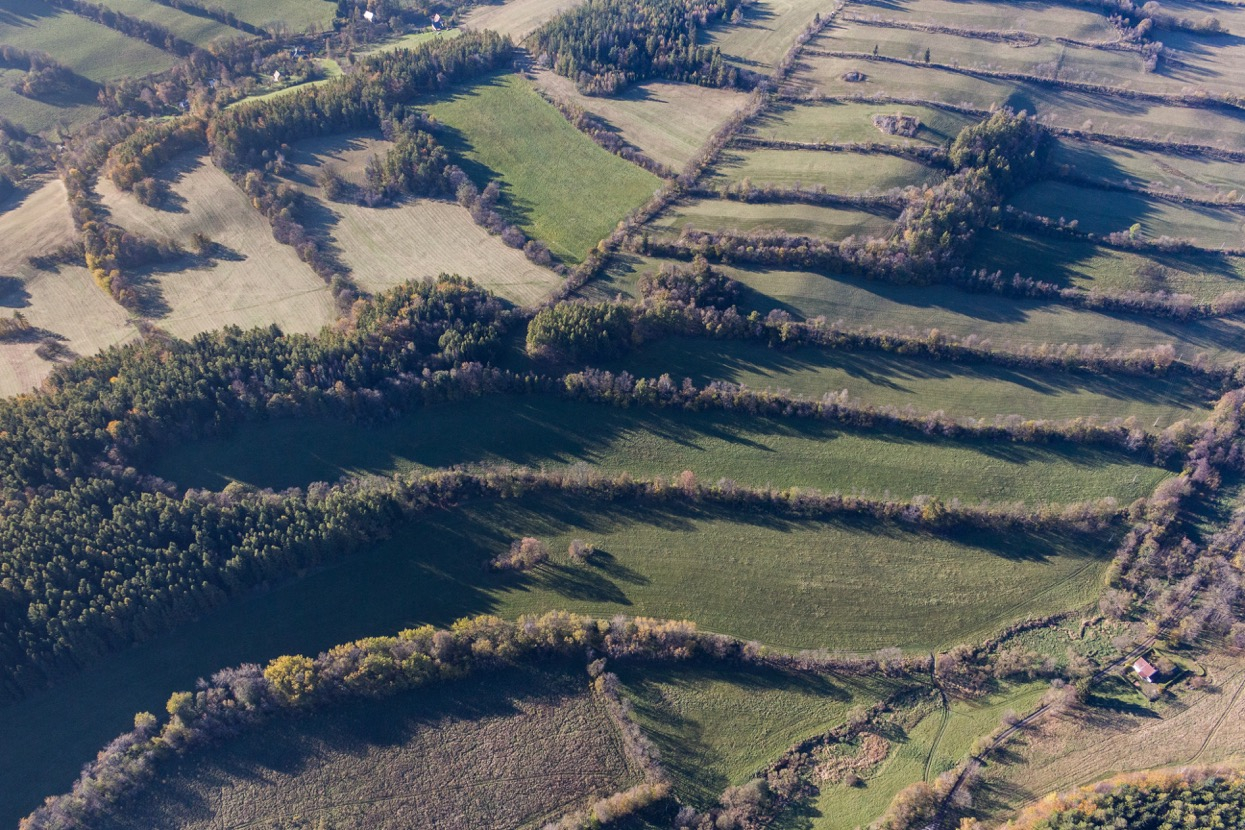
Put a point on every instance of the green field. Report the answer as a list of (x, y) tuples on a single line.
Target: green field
[(835, 122), (1001, 319), (194, 28), (294, 15), (447, 755), (848, 173), (1196, 176), (412, 40), (978, 390), (556, 184), (716, 726), (1040, 18), (808, 220), (1074, 263), (1103, 212), (767, 30), (88, 48), (544, 431), (41, 116)]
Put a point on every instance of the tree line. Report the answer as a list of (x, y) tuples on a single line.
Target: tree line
[(44, 76)]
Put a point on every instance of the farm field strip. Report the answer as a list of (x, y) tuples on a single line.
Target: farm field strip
[(289, 15), (517, 18), (1109, 212), (827, 122), (1045, 19), (844, 173), (194, 28), (809, 220), (767, 30), (1193, 176)]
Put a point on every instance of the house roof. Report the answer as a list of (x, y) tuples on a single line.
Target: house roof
[(1143, 668)]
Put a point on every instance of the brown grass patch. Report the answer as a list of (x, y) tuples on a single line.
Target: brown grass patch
[(518, 18)]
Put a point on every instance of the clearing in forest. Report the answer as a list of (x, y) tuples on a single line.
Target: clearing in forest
[(251, 280), (512, 748), (556, 184)]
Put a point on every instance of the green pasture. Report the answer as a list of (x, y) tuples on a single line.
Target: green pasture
[(194, 28), (767, 31), (936, 743), (808, 220), (847, 173), (1104, 212), (1000, 319), (557, 184), (842, 122), (1050, 19), (543, 431), (1075, 263), (88, 48), (410, 41), (1197, 176), (291, 15), (41, 115), (979, 390), (1095, 112), (716, 725)]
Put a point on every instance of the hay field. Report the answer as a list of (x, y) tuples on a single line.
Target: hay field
[(716, 725), (1060, 108), (296, 15), (1081, 264), (417, 238), (198, 30), (831, 122), (767, 31), (539, 430), (669, 122), (511, 749), (1196, 176), (920, 308), (556, 184), (1120, 732), (517, 18), (1039, 18), (64, 304), (1104, 212), (810, 220), (880, 379), (257, 281), (845, 173), (88, 48)]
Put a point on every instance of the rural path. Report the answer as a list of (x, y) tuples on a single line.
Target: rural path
[(1223, 716)]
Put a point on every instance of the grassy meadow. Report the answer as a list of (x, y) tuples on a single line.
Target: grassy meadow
[(808, 220), (1082, 264), (291, 15), (197, 29), (1196, 176), (447, 755), (517, 18), (831, 122), (539, 430), (846, 173), (1048, 19), (556, 184), (767, 30), (88, 48)]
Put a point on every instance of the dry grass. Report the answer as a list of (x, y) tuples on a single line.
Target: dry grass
[(518, 18), (766, 33), (64, 304), (501, 751), (418, 238), (257, 280), (1048, 19), (1123, 734), (668, 121)]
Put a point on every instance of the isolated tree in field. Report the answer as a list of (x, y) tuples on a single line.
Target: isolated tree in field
[(927, 56), (579, 551), (524, 553)]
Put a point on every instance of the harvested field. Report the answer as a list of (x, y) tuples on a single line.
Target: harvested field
[(1084, 265), (1061, 108), (1194, 176), (919, 308), (556, 184), (1046, 19), (418, 238), (448, 755), (88, 48), (194, 28), (541, 431), (767, 31), (517, 18), (845, 173), (669, 122), (1120, 732), (831, 122), (255, 281), (810, 220), (716, 725), (881, 379), (1108, 212), (63, 304)]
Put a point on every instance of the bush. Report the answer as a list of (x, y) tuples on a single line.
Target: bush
[(524, 554)]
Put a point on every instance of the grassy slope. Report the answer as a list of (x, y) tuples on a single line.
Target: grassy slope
[(258, 282), (766, 32), (1041, 18), (715, 726), (977, 390), (296, 14), (811, 220), (845, 122), (90, 49), (1103, 212), (556, 184), (1197, 176), (517, 18), (40, 116), (1084, 265), (1001, 319), (540, 430), (668, 121), (196, 29), (836, 172), (448, 755)]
